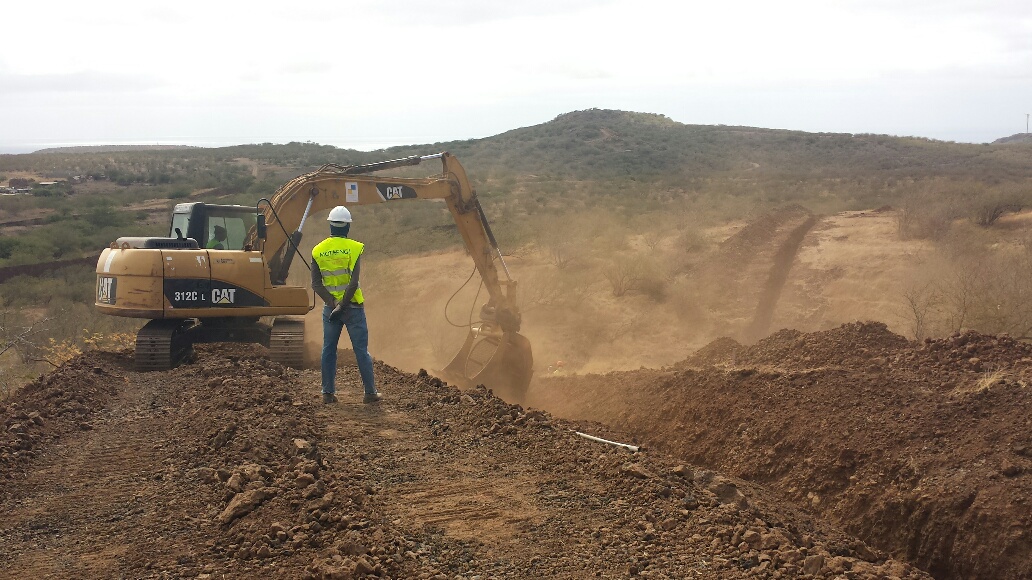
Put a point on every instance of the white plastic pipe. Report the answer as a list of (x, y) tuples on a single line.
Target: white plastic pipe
[(631, 448)]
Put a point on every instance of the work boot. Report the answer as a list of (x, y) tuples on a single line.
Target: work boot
[(372, 398), (329, 398)]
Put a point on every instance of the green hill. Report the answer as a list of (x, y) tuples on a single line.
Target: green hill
[(595, 143), (601, 143), (583, 163)]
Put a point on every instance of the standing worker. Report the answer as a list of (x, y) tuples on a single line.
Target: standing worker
[(335, 264)]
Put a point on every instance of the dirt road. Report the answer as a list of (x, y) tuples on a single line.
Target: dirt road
[(229, 467)]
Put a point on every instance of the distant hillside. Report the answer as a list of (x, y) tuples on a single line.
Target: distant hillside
[(603, 144), (111, 148), (1015, 138)]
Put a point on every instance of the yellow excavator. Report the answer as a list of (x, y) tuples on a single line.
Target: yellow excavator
[(223, 269)]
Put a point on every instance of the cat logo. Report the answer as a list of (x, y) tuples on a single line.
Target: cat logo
[(389, 192), (223, 295), (106, 290)]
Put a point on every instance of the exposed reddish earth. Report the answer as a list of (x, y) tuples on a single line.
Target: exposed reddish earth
[(230, 468), (922, 450)]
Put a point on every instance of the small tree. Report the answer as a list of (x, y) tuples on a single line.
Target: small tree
[(623, 274), (21, 339), (989, 206), (919, 304), (562, 241), (652, 238), (988, 213)]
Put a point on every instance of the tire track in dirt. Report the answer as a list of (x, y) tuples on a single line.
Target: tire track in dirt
[(98, 484), (780, 268), (743, 282), (468, 496)]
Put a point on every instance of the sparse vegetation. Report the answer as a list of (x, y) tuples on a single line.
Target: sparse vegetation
[(614, 201)]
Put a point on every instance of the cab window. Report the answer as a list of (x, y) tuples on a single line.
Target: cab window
[(227, 230), (181, 222)]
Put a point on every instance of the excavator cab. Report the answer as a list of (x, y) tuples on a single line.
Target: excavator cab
[(201, 221)]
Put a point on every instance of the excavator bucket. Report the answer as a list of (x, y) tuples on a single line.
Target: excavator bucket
[(501, 361)]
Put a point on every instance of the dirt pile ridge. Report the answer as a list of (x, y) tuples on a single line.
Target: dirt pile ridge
[(229, 467), (923, 450)]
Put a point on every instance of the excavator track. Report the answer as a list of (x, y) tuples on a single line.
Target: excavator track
[(287, 341), (163, 344)]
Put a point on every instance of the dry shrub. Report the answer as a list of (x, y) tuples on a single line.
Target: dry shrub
[(30, 346), (689, 249), (988, 213), (920, 303), (652, 280), (636, 272), (920, 219), (554, 288), (565, 239), (444, 341), (623, 273), (691, 241), (686, 302), (57, 352), (988, 207), (990, 377), (986, 289), (652, 239), (929, 208)]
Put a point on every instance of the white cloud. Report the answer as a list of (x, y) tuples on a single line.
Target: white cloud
[(382, 69)]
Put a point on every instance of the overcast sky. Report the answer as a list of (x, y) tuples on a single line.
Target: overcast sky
[(367, 74)]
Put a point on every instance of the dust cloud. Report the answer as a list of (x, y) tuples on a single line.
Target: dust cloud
[(601, 299)]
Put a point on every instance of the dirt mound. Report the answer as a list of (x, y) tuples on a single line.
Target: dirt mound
[(723, 350), (851, 345), (759, 232), (915, 448), (977, 352), (56, 404), (229, 467)]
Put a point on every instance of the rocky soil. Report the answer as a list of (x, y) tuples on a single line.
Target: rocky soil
[(922, 450), (231, 468)]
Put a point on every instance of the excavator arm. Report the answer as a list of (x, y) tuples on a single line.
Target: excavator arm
[(495, 353)]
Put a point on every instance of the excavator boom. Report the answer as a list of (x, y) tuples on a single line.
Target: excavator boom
[(494, 353)]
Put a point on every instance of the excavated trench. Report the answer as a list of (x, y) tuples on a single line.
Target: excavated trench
[(860, 455), (229, 467), (922, 450)]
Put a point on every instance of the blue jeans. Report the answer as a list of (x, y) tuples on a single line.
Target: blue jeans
[(355, 321)]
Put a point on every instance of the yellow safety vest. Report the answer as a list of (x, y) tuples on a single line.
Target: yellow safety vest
[(336, 258)]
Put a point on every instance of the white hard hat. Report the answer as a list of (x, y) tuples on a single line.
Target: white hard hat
[(339, 216)]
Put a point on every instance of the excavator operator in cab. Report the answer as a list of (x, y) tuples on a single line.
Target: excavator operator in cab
[(218, 241), (335, 270)]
